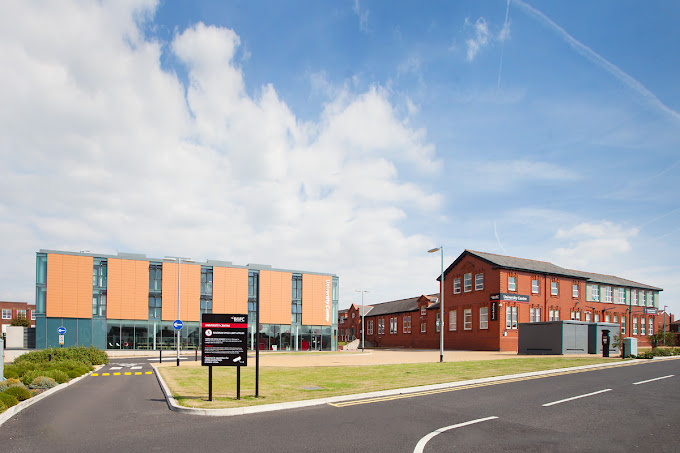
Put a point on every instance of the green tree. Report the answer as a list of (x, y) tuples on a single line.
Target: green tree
[(20, 321)]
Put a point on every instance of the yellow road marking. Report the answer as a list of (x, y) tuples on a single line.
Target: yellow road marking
[(116, 374), (95, 374), (149, 372), (465, 387), (127, 373), (106, 374), (137, 373)]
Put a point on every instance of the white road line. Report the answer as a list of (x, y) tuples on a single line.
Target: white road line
[(167, 359), (115, 368), (576, 397), (422, 442), (136, 368), (655, 379)]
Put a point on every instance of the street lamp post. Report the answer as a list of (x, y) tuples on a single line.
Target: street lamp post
[(665, 307), (179, 279), (362, 291), (441, 304)]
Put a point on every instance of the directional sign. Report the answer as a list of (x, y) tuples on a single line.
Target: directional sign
[(61, 330), (225, 340), (177, 325)]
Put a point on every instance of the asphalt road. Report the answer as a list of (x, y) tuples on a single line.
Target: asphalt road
[(128, 413)]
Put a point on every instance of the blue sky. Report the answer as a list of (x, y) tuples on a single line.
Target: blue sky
[(343, 136)]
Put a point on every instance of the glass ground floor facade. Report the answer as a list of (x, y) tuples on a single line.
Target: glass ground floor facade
[(157, 335)]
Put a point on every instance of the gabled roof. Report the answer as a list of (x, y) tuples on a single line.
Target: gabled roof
[(615, 281), (544, 267), (520, 264), (394, 306)]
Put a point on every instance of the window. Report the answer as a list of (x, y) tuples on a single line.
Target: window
[(616, 318), (423, 310), (370, 327), (643, 300), (651, 326), (296, 297), (453, 320), (21, 314), (253, 293), (437, 326), (206, 289), (642, 327), (6, 313), (98, 302), (393, 325), (33, 315), (423, 327), (573, 315), (608, 295), (467, 319), (633, 296), (587, 316), (479, 282), (574, 290), (596, 317), (635, 326), (622, 296), (456, 285), (623, 325), (206, 304), (512, 286), (607, 318), (407, 324), (155, 277), (596, 293), (381, 326), (534, 315), (553, 288), (467, 283), (99, 272), (353, 314), (578, 315), (484, 317), (510, 317), (555, 315), (155, 306), (650, 299), (534, 286)]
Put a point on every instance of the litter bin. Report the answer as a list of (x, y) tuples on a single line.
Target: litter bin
[(629, 347)]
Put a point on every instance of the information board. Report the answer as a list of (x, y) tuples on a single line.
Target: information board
[(225, 340)]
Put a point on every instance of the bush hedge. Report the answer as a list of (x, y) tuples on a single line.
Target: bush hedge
[(42, 382), (81, 354), (19, 393), (660, 352), (13, 382), (8, 400), (3, 408)]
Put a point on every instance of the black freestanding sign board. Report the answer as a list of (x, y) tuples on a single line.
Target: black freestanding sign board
[(225, 340)]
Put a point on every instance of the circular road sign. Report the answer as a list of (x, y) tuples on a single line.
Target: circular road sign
[(61, 330), (177, 325)]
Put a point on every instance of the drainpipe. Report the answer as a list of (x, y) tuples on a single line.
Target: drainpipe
[(545, 298)]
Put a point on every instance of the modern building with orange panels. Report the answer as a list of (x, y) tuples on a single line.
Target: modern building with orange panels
[(129, 301)]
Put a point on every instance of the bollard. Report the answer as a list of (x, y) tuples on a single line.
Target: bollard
[(49, 357), (160, 355), (196, 356)]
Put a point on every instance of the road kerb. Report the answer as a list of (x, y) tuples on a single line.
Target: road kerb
[(230, 412)]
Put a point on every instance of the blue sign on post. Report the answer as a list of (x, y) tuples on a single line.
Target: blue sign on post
[(177, 325), (61, 330)]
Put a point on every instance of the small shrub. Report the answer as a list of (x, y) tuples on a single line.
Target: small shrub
[(3, 408), (43, 382), (57, 375), (28, 376), (12, 382), (8, 400), (19, 393)]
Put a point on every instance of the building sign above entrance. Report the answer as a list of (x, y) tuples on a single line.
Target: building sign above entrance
[(509, 297)]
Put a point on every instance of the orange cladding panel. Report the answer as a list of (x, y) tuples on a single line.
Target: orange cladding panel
[(69, 286), (316, 300), (230, 290), (276, 292), (127, 289), (190, 303)]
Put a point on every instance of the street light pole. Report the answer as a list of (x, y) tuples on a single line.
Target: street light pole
[(362, 291), (441, 304)]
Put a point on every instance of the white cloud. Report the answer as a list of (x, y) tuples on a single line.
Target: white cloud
[(103, 150), (480, 39), (362, 15), (591, 245)]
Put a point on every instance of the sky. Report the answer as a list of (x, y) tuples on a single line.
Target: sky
[(347, 137)]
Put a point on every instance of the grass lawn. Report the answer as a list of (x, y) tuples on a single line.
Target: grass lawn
[(189, 385)]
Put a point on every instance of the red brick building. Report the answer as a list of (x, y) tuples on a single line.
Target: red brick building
[(487, 296), (10, 310)]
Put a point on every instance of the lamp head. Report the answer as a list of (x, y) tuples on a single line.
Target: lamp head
[(434, 250)]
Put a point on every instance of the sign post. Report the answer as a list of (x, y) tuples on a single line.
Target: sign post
[(224, 343), (177, 325), (62, 332)]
